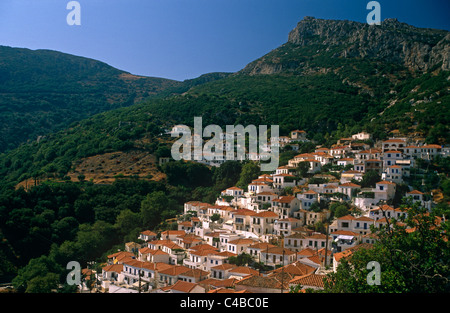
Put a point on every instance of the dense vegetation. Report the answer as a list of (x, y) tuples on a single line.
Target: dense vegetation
[(63, 221), (64, 98), (411, 262), (45, 91)]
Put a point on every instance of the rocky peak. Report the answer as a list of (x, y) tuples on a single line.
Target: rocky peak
[(392, 41)]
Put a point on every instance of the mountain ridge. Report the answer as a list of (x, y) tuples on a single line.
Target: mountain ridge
[(415, 48), (317, 89)]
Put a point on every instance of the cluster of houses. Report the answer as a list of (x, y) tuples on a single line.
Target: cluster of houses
[(272, 226)]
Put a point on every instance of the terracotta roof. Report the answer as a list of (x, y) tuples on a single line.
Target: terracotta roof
[(305, 155), (219, 283), (309, 280), (315, 259), (394, 140), (242, 241), (372, 160), (415, 192), (279, 250), (194, 272), (284, 175), (243, 212), (147, 250), (295, 269), (175, 270), (203, 246), (365, 218), (227, 290), (204, 252), (272, 282), (284, 199), (266, 193), (432, 147), (172, 246), (113, 268), (214, 234), (352, 172), (266, 214), (173, 233), (234, 188), (223, 267), (350, 185), (296, 236), (289, 219), (347, 217), (345, 232), (159, 242), (412, 147), (348, 252), (120, 255), (385, 182), (261, 245), (181, 286), (244, 270), (307, 252), (148, 233), (392, 151), (226, 254), (318, 236)]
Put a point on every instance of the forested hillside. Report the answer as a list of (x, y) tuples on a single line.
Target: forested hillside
[(43, 91), (332, 79)]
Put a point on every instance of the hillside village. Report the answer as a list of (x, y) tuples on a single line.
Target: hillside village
[(282, 230)]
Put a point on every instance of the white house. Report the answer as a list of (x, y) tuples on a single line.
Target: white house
[(263, 222), (285, 206), (361, 136), (283, 227), (418, 196), (393, 173), (307, 198)]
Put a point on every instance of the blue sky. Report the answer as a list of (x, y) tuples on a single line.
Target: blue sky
[(182, 39)]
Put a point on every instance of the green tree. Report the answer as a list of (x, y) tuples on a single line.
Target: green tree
[(241, 259), (341, 210), (42, 272), (302, 169), (370, 178), (43, 284), (413, 261), (215, 217), (152, 208), (250, 171), (127, 221)]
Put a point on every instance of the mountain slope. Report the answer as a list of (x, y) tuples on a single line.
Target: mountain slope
[(416, 49), (335, 72), (43, 91), (319, 81)]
